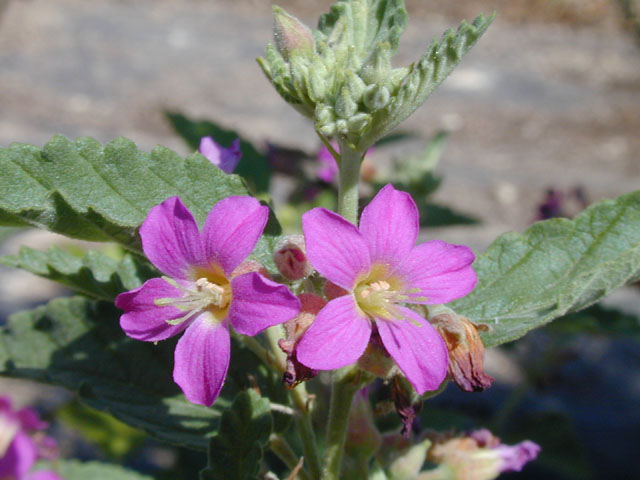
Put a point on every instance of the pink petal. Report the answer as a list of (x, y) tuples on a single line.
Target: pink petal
[(143, 319), (171, 240), (390, 224), (337, 337), (335, 247), (419, 351), (202, 359), (440, 270), (230, 157), (232, 230), (19, 457), (29, 419), (226, 159), (259, 303)]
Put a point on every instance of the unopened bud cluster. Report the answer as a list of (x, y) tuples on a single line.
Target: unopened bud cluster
[(329, 75)]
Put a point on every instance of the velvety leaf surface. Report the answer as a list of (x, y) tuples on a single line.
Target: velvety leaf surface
[(77, 343), (76, 470), (366, 23), (555, 267), (235, 452), (425, 75), (95, 275), (85, 190), (88, 191)]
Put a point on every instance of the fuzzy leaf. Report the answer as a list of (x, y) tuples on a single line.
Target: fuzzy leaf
[(95, 275), (88, 191), (425, 75), (365, 23), (77, 343), (555, 267), (235, 452), (76, 470)]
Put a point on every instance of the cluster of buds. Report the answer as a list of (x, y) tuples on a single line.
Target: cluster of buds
[(330, 75), (341, 75)]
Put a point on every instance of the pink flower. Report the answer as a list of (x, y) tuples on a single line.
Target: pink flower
[(22, 443), (328, 166), (201, 294), (381, 269), (226, 159)]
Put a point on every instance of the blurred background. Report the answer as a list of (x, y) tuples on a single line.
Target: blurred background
[(540, 119)]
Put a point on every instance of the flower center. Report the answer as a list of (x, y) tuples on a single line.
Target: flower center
[(203, 294), (377, 298)]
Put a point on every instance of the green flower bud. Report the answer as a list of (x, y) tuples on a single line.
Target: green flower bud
[(327, 129), (376, 97), (291, 36), (355, 85), (317, 79), (342, 126), (345, 107), (324, 114), (377, 69), (358, 122)]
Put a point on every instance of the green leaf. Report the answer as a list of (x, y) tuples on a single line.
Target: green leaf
[(95, 275), (76, 470), (425, 75), (365, 23), (88, 191), (556, 267), (254, 165), (235, 452), (77, 343)]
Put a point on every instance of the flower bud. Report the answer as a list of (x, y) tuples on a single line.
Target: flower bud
[(377, 68), (376, 97), (466, 350), (358, 122), (345, 107), (291, 259), (363, 439), (291, 36)]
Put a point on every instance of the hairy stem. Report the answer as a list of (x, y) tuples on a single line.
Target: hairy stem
[(349, 178), (301, 404), (346, 383)]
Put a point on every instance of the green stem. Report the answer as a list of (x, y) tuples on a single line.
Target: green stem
[(345, 385), (284, 452), (348, 186), (300, 402), (346, 381)]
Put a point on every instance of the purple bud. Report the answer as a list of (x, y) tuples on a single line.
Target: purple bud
[(226, 159)]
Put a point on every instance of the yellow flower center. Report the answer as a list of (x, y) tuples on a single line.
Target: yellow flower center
[(378, 293), (211, 291)]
